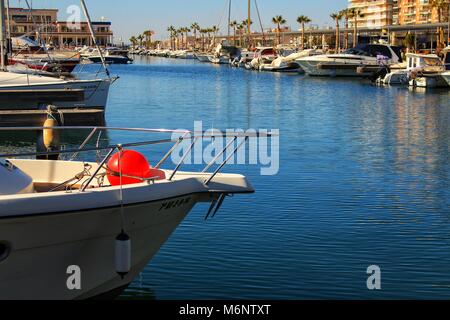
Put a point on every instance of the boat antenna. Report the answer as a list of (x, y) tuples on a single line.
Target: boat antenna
[(2, 35), (94, 39), (260, 22)]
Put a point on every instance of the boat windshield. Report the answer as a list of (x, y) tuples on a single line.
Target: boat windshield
[(357, 51), (370, 50)]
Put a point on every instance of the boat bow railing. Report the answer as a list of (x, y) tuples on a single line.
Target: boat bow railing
[(240, 138)]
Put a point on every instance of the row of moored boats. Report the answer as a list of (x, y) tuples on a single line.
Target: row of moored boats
[(382, 63)]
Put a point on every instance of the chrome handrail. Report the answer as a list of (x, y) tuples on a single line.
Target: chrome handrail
[(194, 136)]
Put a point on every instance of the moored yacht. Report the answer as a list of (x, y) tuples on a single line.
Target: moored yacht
[(420, 70), (262, 55), (347, 63), (110, 55), (95, 91), (288, 63)]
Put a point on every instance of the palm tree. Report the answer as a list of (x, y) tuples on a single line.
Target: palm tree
[(134, 41), (302, 20), (346, 15), (148, 37), (208, 32), (240, 27), (234, 24), (172, 31), (355, 14), (202, 34), (185, 34), (279, 21), (337, 16), (214, 31), (181, 31), (195, 27), (140, 39), (245, 24)]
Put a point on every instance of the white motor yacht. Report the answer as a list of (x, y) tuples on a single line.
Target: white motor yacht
[(427, 71), (106, 219), (110, 55), (347, 63), (288, 63), (95, 91), (263, 55), (421, 70)]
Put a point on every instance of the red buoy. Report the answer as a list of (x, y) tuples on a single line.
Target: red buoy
[(134, 168)]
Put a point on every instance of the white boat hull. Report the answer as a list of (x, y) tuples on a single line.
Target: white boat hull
[(202, 58), (437, 81), (45, 233), (219, 60), (399, 77), (313, 68), (45, 246), (95, 91)]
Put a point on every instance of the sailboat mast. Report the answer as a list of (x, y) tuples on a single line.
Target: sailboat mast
[(8, 30), (94, 39), (2, 34), (260, 21), (229, 18), (249, 20)]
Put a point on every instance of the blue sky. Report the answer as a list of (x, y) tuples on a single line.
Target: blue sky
[(134, 16)]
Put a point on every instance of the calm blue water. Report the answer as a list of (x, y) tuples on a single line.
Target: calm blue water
[(364, 180)]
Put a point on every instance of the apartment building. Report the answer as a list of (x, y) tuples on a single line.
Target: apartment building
[(59, 33), (376, 13), (420, 12)]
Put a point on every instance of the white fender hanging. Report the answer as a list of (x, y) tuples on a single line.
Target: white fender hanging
[(123, 254)]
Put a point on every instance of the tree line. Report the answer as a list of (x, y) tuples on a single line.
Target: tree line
[(179, 37)]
